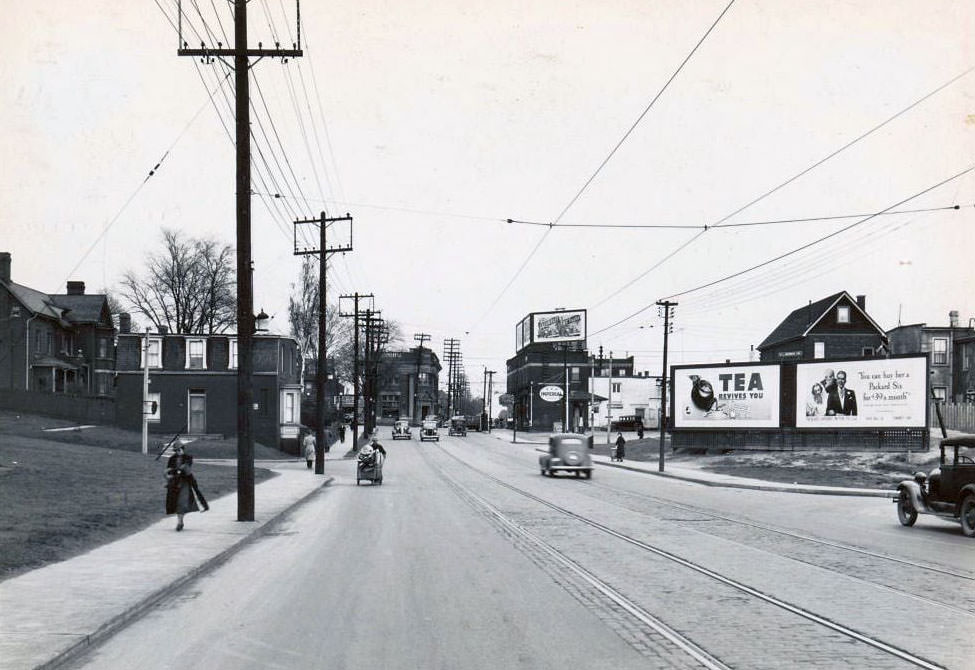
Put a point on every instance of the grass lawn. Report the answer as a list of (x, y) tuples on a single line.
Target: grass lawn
[(65, 493)]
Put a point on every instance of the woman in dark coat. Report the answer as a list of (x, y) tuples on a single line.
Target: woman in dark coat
[(620, 447), (182, 491)]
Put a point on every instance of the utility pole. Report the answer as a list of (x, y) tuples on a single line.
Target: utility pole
[(355, 360), (421, 338), (484, 401), (609, 401), (145, 395), (667, 308), (321, 369), (452, 354), (376, 333), (490, 392), (245, 289)]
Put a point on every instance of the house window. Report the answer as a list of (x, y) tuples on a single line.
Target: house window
[(196, 354), (289, 404), (575, 374), (940, 393), (103, 347), (617, 387), (233, 353), (966, 356), (819, 350), (151, 398), (50, 343), (939, 348), (867, 352), (14, 311), (843, 314), (155, 353)]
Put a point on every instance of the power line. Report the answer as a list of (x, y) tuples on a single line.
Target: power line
[(825, 237), (601, 165)]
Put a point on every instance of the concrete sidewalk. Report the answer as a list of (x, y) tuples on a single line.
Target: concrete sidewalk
[(50, 614), (683, 471)]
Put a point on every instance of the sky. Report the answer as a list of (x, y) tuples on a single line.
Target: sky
[(433, 123)]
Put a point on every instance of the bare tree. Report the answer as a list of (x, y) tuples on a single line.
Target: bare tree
[(303, 317), (190, 286)]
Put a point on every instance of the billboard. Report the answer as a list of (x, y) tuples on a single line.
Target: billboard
[(726, 396), (866, 393), (523, 333), (561, 326)]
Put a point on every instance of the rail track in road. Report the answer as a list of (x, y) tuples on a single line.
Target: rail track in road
[(933, 584), (599, 588)]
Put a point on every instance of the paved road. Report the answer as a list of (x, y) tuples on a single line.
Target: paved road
[(466, 557)]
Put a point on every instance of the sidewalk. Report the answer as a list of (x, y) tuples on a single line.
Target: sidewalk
[(49, 614), (691, 473)]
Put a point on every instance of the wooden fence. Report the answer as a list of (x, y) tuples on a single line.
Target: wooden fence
[(956, 415)]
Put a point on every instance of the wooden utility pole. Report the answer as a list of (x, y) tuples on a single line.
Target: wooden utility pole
[(667, 313), (355, 359), (321, 369), (490, 392), (245, 290)]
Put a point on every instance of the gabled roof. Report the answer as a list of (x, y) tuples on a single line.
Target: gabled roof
[(800, 321), (84, 308), (37, 302)]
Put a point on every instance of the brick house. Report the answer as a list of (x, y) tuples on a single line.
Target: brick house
[(193, 380), (55, 343), (951, 371), (541, 365), (837, 326)]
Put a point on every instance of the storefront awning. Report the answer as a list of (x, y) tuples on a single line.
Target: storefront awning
[(51, 362)]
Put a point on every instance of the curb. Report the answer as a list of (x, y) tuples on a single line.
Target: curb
[(770, 486), (120, 621)]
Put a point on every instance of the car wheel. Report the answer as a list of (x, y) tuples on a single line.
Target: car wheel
[(588, 474), (968, 515), (905, 509)]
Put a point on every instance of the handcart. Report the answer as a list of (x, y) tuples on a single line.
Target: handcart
[(370, 468)]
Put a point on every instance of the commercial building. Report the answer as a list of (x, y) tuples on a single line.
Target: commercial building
[(408, 385)]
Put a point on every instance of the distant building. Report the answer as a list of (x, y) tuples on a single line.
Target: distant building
[(193, 381), (951, 350), (535, 370), (837, 326), (56, 343), (408, 384)]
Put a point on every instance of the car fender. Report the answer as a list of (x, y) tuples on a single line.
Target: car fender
[(914, 493)]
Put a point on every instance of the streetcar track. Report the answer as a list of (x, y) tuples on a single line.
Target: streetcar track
[(682, 642), (700, 569)]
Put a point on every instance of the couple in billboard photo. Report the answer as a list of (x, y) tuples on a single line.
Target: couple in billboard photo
[(831, 397)]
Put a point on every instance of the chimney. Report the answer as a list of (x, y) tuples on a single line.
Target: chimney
[(76, 288), (5, 266), (163, 330), (124, 323), (862, 302), (953, 318)]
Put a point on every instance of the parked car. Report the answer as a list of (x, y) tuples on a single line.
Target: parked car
[(401, 430), (626, 423), (948, 491), (567, 452), (429, 431)]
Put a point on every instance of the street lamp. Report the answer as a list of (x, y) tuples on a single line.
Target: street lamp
[(260, 322)]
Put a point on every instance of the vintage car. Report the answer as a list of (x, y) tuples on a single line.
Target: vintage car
[(567, 452), (401, 430), (458, 426), (428, 430), (948, 491)]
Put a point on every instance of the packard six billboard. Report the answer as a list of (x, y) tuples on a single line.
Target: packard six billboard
[(726, 396), (866, 393)]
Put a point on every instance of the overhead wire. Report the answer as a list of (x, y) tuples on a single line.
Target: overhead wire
[(606, 160)]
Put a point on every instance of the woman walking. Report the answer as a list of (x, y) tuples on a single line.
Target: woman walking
[(182, 491), (620, 448)]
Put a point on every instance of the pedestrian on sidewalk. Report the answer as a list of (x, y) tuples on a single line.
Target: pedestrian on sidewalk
[(183, 494), (342, 433), (620, 447), (308, 445), (639, 430)]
